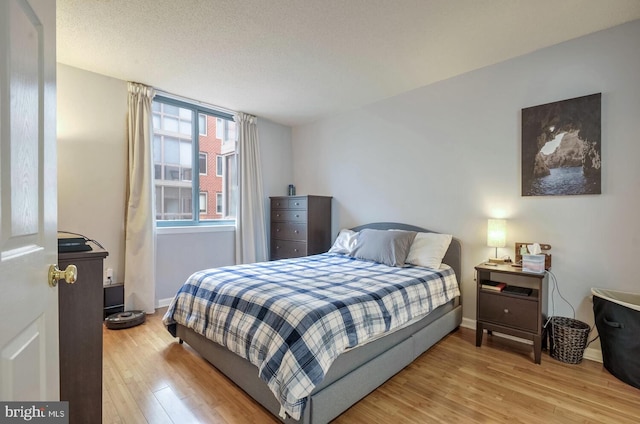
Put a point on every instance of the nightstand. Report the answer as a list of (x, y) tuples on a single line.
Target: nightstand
[(113, 299), (513, 314)]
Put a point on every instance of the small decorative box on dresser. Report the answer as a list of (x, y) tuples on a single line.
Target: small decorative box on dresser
[(80, 322), (518, 307), (300, 226)]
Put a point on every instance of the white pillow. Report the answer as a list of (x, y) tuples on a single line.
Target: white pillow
[(345, 242), (428, 249)]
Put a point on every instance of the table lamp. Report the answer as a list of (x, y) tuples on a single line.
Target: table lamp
[(496, 237)]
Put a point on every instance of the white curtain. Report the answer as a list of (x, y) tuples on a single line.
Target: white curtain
[(139, 276), (251, 232)]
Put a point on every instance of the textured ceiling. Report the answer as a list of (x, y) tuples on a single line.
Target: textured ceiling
[(295, 61)]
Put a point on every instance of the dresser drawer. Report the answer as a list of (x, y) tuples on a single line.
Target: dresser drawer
[(287, 249), (279, 203), (289, 231), (291, 203), (282, 215), (298, 203), (509, 311)]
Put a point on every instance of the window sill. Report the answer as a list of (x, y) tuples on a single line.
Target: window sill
[(195, 229)]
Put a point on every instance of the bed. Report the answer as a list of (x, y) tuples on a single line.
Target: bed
[(365, 358)]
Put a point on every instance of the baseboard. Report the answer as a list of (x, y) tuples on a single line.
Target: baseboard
[(164, 302), (468, 323), (590, 353)]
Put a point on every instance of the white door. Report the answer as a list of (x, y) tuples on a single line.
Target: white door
[(29, 367)]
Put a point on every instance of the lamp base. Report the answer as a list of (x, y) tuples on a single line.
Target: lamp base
[(496, 261)]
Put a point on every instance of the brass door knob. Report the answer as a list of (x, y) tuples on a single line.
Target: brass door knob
[(70, 275)]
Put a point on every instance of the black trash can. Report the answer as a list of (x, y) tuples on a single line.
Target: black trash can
[(617, 317)]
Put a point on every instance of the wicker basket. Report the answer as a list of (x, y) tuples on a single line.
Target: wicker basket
[(568, 339)]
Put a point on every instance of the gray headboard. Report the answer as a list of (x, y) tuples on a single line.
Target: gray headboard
[(453, 257)]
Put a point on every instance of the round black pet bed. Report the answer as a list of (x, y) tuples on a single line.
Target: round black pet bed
[(124, 320)]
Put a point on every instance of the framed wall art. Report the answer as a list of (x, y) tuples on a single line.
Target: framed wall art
[(561, 147)]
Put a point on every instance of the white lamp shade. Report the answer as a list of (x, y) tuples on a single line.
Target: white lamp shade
[(497, 233)]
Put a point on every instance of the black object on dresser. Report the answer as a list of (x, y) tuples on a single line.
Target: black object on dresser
[(80, 322), (517, 314), (300, 226)]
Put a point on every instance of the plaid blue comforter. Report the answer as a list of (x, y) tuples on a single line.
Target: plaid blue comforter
[(292, 318)]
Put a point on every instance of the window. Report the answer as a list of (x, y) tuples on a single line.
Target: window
[(226, 133), (219, 202), (203, 164), (202, 124), (181, 148), (203, 202), (230, 187), (219, 169)]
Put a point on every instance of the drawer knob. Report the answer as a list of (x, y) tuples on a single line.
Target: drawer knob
[(297, 204), (278, 214), (277, 230), (506, 311), (297, 216), (295, 231), (295, 250)]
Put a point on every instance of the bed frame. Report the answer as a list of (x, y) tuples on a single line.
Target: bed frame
[(356, 372)]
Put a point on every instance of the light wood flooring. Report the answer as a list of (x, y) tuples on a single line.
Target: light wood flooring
[(150, 378)]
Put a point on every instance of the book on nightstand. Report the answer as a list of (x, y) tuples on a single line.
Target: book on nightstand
[(492, 285)]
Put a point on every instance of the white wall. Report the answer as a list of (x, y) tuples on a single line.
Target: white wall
[(277, 161), (180, 252), (277, 157), (92, 155), (447, 157)]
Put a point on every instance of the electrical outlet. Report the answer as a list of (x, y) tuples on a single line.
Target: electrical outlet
[(108, 275)]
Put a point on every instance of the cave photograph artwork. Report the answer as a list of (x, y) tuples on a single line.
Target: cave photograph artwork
[(561, 147)]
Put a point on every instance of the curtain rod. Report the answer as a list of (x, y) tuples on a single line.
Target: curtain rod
[(198, 102)]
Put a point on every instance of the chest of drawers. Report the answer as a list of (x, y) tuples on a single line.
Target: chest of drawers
[(80, 307), (300, 226)]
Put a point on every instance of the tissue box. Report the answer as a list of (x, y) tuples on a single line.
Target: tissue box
[(533, 263)]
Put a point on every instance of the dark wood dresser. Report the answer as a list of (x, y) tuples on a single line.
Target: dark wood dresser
[(80, 323), (300, 226)]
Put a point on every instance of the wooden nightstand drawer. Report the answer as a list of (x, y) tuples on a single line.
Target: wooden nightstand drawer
[(288, 249), (289, 231), (509, 311)]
